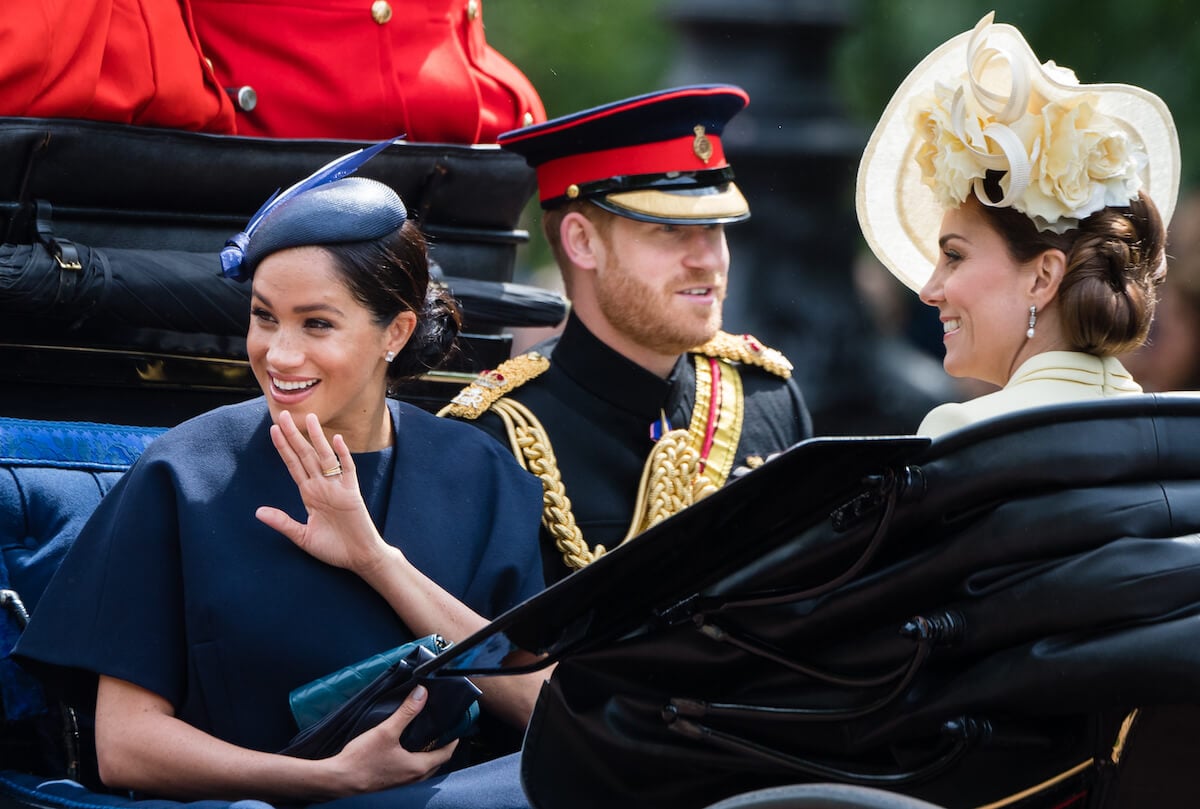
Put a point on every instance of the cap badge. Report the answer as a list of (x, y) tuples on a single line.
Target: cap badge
[(701, 145)]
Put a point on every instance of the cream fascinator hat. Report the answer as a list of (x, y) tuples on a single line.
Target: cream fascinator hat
[(982, 102)]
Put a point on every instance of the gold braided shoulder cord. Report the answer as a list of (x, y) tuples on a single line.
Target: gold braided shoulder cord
[(531, 446), (671, 477), (670, 481)]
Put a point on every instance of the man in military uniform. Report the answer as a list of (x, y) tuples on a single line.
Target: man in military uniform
[(642, 405)]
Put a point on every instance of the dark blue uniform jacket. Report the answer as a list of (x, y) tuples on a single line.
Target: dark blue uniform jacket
[(598, 408)]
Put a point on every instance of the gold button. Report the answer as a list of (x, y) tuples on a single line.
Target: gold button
[(472, 9), (381, 11), (572, 191), (527, 119)]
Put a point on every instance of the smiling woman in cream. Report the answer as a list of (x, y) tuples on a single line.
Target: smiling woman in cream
[(1030, 210)]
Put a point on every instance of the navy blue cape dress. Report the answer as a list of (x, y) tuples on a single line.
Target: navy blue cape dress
[(175, 586)]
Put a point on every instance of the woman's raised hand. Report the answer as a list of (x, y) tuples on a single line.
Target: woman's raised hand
[(338, 530)]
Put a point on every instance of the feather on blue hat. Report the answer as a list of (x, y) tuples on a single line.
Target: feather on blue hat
[(327, 207)]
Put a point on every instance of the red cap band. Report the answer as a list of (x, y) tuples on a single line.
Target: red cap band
[(677, 154)]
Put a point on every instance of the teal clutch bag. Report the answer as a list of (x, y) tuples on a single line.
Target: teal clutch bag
[(314, 701)]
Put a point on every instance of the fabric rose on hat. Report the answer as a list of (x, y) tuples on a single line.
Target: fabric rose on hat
[(947, 165), (1066, 159), (1082, 161)]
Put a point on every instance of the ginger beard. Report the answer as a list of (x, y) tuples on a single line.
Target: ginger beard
[(667, 310)]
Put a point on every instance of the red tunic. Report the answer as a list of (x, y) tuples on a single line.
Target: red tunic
[(128, 61), (365, 69)]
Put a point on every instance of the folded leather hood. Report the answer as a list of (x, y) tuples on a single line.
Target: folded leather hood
[(980, 620)]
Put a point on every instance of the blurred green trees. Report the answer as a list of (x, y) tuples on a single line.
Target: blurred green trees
[(1153, 44), (580, 54)]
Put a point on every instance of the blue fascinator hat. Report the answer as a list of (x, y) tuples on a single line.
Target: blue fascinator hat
[(327, 207)]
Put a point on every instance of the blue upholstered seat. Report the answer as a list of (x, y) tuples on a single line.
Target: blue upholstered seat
[(52, 475)]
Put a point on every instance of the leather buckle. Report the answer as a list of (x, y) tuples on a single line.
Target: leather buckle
[(66, 255)]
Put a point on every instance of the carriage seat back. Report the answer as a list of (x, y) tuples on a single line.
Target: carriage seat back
[(52, 475)]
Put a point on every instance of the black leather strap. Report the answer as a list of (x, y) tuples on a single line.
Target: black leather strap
[(63, 250)]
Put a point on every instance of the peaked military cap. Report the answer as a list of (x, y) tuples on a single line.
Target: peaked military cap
[(656, 157)]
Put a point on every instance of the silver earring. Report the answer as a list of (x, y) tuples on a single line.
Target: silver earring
[(1032, 321), (388, 357)]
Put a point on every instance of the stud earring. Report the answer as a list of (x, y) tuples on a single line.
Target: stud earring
[(1032, 321), (388, 357)]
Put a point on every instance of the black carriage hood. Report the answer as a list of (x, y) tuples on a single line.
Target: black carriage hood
[(958, 620), (820, 501)]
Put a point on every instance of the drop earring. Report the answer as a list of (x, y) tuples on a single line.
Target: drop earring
[(1032, 321), (391, 355)]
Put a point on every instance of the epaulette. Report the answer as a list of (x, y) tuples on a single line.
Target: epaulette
[(474, 400), (744, 348)]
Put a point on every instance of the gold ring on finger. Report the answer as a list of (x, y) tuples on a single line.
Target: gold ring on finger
[(332, 471)]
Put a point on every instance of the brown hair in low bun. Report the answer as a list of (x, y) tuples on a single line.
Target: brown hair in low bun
[(1115, 260), (390, 275), (1108, 294)]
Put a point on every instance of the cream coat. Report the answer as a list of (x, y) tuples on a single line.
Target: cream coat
[(1047, 378)]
